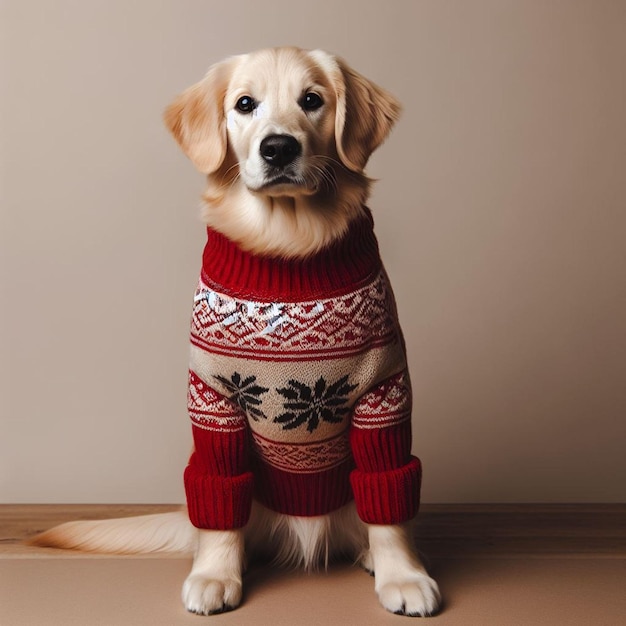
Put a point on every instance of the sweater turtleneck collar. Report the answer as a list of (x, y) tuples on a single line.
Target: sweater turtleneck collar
[(341, 267)]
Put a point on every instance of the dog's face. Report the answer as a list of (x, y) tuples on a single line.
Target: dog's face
[(279, 131), (282, 132)]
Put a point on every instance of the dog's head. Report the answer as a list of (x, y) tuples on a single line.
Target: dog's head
[(287, 125)]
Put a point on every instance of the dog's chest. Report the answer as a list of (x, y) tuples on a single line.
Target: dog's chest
[(295, 369), (333, 328)]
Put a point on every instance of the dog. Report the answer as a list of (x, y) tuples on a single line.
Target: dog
[(299, 394)]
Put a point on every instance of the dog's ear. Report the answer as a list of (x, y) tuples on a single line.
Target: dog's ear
[(364, 117), (197, 119)]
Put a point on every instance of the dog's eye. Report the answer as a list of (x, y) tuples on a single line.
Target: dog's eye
[(311, 101), (246, 104)]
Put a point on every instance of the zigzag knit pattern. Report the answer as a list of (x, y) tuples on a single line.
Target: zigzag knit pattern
[(299, 394)]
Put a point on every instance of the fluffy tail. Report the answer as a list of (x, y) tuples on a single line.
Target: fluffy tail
[(162, 532)]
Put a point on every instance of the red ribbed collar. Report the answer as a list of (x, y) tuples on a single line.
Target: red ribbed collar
[(342, 267)]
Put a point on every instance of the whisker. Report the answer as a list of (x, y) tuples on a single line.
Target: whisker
[(324, 176), (233, 166), (356, 175), (227, 186)]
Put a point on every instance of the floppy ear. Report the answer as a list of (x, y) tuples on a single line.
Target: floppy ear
[(197, 119), (364, 117)]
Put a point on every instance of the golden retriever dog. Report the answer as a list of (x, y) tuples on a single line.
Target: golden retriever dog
[(299, 393)]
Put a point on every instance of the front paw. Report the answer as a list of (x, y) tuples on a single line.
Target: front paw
[(417, 596), (207, 596)]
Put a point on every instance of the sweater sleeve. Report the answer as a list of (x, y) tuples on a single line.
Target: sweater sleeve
[(218, 483), (386, 481)]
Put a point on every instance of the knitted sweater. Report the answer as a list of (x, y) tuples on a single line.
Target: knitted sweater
[(299, 394)]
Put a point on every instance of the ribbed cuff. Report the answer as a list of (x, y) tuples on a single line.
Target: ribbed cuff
[(389, 497), (218, 502)]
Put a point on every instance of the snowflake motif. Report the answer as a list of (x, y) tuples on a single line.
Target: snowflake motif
[(310, 405), (245, 393)]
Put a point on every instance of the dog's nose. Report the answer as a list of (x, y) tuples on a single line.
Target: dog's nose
[(280, 150)]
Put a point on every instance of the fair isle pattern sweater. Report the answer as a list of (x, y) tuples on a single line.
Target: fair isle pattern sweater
[(299, 394)]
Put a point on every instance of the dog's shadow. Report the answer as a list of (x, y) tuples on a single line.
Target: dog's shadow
[(342, 580)]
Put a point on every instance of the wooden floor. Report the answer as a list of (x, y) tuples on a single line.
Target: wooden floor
[(497, 565), (442, 529)]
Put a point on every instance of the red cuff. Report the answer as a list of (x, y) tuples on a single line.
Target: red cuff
[(218, 502), (389, 497)]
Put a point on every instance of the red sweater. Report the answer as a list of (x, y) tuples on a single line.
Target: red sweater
[(299, 394)]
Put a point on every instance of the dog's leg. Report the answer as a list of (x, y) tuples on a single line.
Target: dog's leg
[(401, 581), (214, 584)]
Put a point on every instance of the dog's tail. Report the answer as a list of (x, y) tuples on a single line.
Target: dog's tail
[(162, 532)]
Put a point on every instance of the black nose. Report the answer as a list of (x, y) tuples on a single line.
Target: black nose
[(280, 150)]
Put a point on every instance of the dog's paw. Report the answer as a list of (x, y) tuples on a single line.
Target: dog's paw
[(208, 596), (417, 596)]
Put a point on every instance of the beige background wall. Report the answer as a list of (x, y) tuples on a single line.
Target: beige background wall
[(501, 214)]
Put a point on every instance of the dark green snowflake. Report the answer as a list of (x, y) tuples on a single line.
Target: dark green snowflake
[(311, 405), (245, 393)]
